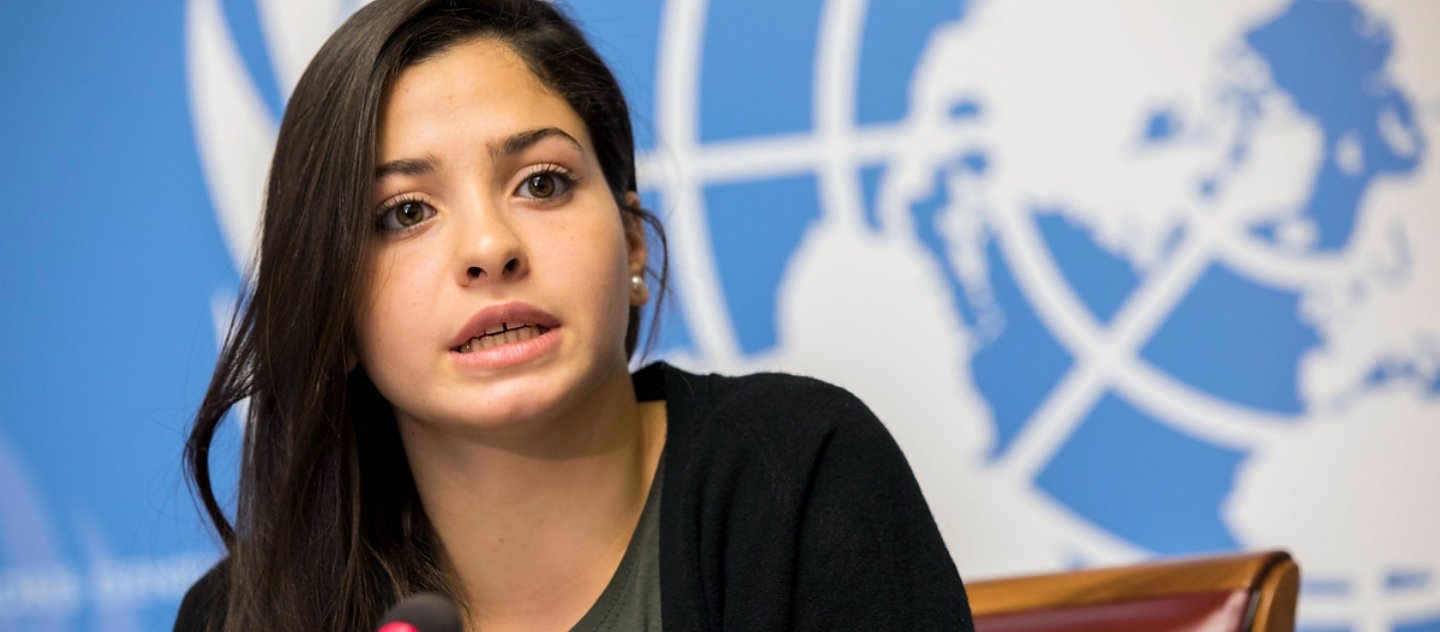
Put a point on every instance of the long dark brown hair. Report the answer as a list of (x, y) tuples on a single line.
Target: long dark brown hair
[(328, 529)]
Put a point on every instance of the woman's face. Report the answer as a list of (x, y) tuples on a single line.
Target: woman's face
[(500, 285)]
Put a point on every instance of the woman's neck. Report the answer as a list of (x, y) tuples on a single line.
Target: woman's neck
[(533, 526)]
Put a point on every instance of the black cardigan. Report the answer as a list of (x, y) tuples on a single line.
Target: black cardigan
[(785, 505)]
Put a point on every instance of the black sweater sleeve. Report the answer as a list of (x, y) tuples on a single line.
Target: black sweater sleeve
[(787, 505), (870, 554)]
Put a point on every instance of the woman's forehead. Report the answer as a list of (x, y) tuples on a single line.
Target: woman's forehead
[(479, 89)]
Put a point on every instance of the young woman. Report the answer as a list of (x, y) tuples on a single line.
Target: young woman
[(453, 258)]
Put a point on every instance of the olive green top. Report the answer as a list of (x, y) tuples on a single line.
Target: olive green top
[(632, 599)]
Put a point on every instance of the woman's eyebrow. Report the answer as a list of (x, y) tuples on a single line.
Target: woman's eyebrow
[(511, 145), (408, 167), (519, 142)]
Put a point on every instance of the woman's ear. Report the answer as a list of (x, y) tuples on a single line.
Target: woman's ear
[(636, 253)]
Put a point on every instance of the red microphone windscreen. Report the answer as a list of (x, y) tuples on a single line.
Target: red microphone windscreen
[(423, 612)]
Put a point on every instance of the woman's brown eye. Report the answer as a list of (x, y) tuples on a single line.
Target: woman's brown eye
[(405, 215), (409, 214), (550, 185), (541, 185)]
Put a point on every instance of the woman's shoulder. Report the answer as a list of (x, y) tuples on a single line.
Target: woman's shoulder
[(782, 424), (768, 404), (203, 607)]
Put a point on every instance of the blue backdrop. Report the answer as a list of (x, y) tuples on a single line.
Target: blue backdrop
[(1125, 279)]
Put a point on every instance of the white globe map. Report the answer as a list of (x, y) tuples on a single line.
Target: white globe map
[(1124, 278)]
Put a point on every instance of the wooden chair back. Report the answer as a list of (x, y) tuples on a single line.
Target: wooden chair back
[(1246, 592)]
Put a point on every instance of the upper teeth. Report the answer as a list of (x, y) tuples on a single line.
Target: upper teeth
[(500, 334), (501, 328)]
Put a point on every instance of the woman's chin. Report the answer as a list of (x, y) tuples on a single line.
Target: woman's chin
[(498, 416), (503, 411), (519, 403)]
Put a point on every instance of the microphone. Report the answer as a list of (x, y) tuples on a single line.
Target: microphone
[(423, 612)]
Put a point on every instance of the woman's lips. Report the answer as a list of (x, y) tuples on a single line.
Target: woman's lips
[(496, 319), (504, 335)]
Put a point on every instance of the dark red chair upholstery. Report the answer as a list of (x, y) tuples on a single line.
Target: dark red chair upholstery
[(1247, 592)]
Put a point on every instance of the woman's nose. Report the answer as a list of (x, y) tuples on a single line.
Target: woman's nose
[(491, 250)]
